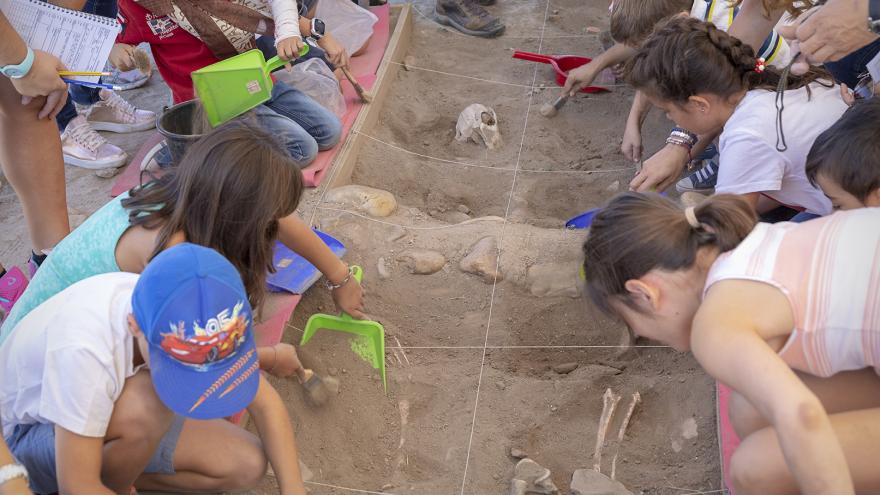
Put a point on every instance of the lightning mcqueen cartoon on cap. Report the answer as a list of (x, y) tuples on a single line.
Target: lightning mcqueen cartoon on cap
[(207, 346)]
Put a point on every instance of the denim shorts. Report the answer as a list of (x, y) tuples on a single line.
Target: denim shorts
[(34, 447)]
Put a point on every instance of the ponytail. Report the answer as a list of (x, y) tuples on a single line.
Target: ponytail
[(685, 57), (636, 233)]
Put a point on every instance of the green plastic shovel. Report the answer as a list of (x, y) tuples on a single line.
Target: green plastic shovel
[(370, 341), (233, 86)]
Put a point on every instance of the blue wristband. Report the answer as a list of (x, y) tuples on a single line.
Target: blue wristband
[(17, 71)]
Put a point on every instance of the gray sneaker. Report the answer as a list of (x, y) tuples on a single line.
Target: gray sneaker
[(469, 17)]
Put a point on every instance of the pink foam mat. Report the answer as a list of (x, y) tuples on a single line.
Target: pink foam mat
[(727, 439), (363, 67)]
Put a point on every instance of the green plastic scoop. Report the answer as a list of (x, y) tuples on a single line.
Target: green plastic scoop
[(233, 86), (370, 341)]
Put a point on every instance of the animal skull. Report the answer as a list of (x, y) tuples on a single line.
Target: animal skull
[(478, 123)]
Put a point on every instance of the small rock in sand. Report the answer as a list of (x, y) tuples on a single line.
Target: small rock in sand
[(463, 209), (106, 173), (590, 482), (373, 202), (422, 261), (408, 62), (689, 428), (482, 260), (565, 368), (553, 279), (384, 271), (613, 187), (536, 479), (518, 454)]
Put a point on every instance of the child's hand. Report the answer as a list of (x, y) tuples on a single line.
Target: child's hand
[(578, 79), (350, 298), (631, 147), (661, 170), (336, 53), (122, 57), (285, 362), (848, 97), (288, 48)]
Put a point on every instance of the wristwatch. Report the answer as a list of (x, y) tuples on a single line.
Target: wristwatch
[(10, 472), (17, 71), (318, 29)]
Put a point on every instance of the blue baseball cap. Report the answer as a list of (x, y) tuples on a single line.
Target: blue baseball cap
[(192, 307)]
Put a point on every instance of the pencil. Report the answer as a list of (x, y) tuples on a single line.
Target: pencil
[(91, 84), (81, 73)]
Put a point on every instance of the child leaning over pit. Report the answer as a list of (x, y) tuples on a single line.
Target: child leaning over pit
[(235, 191), (787, 315), (845, 159), (709, 82), (103, 384)]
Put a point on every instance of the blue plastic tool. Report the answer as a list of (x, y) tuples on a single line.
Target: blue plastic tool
[(292, 272)]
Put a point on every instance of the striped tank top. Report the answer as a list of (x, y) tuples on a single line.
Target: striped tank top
[(829, 270)]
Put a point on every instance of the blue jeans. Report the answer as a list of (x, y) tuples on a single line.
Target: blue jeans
[(848, 69), (803, 217), (299, 122), (80, 94)]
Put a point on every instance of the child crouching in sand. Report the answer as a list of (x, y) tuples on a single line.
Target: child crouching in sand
[(123, 380), (787, 315), (235, 191)]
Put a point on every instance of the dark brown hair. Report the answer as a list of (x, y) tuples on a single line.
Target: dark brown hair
[(633, 20), (227, 193), (685, 57), (848, 152), (636, 233)]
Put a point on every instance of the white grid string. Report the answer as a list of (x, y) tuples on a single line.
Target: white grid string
[(498, 259), (501, 169)]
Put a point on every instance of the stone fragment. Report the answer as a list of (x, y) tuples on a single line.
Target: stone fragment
[(373, 202), (613, 187), (422, 261), (565, 368), (463, 209), (553, 279), (482, 260), (106, 173), (535, 476), (689, 428), (518, 454), (382, 267), (590, 482)]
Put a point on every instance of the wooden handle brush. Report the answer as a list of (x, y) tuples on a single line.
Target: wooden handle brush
[(362, 93)]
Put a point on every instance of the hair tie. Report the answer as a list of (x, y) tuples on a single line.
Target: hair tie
[(691, 217), (760, 65)]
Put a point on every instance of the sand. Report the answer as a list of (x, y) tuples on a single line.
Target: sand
[(470, 363)]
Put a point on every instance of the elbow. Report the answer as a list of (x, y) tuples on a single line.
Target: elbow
[(806, 415)]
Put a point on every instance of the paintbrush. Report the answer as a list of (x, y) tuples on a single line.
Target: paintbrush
[(364, 95), (550, 110)]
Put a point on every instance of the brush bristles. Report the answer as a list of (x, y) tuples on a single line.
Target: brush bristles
[(142, 61)]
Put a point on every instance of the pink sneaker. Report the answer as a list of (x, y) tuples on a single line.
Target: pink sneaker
[(85, 148), (12, 285)]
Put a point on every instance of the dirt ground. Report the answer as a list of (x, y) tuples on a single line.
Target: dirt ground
[(470, 363)]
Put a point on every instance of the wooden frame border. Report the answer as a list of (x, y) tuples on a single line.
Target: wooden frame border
[(398, 45)]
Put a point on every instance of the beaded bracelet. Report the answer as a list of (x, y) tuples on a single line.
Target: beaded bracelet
[(684, 134)]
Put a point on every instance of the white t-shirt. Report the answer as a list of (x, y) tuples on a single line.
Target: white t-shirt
[(749, 161), (65, 363)]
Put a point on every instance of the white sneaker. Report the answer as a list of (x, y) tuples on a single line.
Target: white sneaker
[(114, 114), (85, 148)]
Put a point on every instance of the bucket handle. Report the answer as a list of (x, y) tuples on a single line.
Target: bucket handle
[(534, 57)]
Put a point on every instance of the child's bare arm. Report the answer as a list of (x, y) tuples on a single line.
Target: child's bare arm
[(276, 432), (752, 25), (17, 486), (295, 234), (583, 76), (728, 342), (78, 463), (631, 147)]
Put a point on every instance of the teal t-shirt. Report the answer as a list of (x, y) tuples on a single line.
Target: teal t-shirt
[(87, 251)]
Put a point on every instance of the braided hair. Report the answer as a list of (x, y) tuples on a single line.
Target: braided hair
[(686, 56)]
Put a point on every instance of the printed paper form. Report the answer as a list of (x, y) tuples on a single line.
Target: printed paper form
[(82, 41)]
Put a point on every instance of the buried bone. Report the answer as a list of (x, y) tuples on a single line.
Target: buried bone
[(636, 398), (530, 478), (609, 403), (478, 123)]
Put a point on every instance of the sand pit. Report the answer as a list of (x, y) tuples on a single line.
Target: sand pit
[(471, 358)]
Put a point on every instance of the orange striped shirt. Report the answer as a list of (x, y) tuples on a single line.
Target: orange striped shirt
[(829, 269)]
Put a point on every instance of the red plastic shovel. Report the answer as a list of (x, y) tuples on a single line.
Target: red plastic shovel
[(561, 64)]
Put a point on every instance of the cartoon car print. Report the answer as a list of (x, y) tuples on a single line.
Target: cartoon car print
[(203, 349)]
